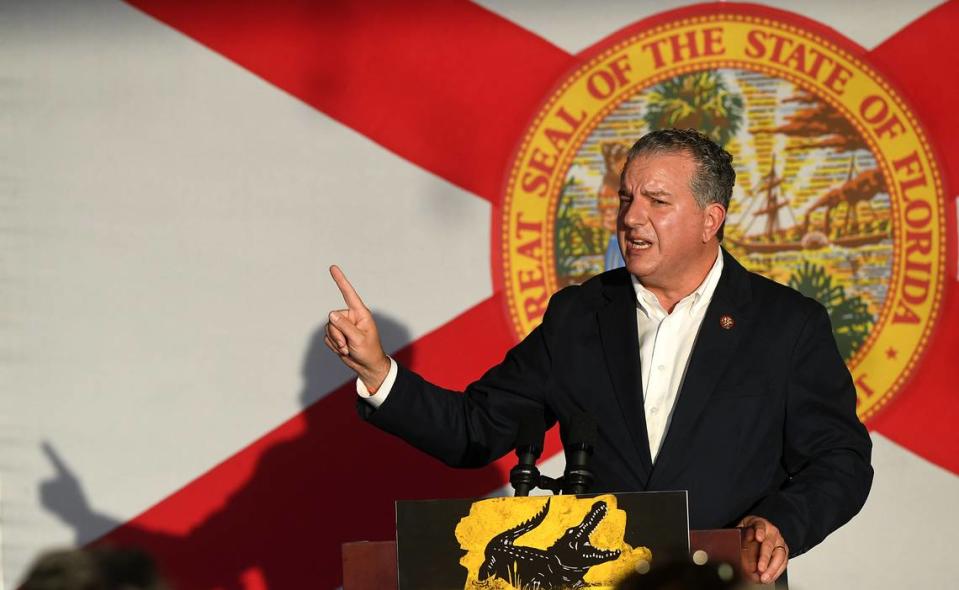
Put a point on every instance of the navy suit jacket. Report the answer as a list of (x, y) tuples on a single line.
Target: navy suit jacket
[(765, 421)]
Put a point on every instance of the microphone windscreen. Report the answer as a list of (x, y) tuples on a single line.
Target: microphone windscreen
[(532, 430), (582, 431)]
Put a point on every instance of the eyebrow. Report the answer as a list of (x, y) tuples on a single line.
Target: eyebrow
[(655, 193)]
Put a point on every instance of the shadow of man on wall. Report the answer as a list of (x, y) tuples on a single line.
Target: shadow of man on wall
[(316, 481)]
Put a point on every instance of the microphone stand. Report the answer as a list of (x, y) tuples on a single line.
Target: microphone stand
[(529, 445), (553, 484), (577, 478)]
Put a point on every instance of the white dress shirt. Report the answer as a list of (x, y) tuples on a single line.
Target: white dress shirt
[(665, 342)]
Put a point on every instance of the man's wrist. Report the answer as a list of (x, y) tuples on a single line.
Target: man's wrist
[(374, 379), (377, 397)]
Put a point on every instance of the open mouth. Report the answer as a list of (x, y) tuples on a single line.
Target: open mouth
[(639, 244), (595, 515)]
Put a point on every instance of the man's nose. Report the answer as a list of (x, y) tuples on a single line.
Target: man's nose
[(636, 213)]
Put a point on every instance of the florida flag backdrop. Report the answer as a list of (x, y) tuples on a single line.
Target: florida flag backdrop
[(176, 177)]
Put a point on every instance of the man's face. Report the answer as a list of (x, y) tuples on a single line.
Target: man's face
[(664, 235)]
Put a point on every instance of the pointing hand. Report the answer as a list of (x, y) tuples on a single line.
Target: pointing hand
[(351, 334)]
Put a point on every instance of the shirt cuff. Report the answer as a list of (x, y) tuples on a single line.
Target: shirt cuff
[(377, 399)]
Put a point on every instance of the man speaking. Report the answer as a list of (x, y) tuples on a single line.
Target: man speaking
[(702, 376)]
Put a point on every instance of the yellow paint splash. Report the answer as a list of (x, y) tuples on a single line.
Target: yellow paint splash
[(488, 518)]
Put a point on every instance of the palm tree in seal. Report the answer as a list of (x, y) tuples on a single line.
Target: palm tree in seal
[(850, 316), (700, 100)]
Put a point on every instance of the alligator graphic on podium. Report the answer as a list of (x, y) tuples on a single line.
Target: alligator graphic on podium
[(563, 565)]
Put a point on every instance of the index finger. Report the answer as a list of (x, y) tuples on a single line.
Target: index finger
[(350, 295), (766, 551), (777, 563)]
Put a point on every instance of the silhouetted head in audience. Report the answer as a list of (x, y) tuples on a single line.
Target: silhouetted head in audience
[(684, 576)]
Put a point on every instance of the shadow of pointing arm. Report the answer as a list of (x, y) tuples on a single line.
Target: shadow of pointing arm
[(63, 496)]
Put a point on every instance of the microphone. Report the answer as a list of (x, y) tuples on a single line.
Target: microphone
[(578, 478), (529, 445)]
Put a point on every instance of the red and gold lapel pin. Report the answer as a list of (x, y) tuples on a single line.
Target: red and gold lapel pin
[(726, 322)]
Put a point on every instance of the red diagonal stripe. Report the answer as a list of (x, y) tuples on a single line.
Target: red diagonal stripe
[(284, 504), (447, 85), (922, 60)]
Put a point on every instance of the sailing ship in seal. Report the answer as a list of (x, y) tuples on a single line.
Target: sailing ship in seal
[(812, 231)]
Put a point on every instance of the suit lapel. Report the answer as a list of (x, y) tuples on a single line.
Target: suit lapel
[(712, 352), (618, 331)]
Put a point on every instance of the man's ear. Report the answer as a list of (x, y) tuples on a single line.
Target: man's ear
[(715, 215)]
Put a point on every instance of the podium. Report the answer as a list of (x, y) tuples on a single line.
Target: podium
[(372, 565), (553, 541)]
